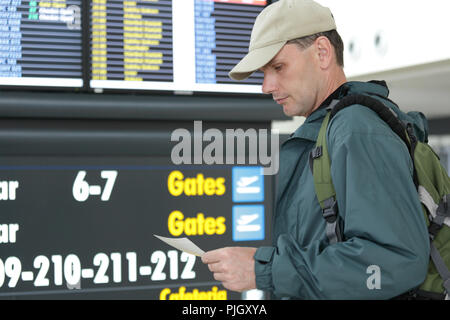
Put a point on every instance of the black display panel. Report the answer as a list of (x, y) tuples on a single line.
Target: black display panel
[(171, 45), (132, 40), (181, 46), (83, 227), (222, 36), (41, 43)]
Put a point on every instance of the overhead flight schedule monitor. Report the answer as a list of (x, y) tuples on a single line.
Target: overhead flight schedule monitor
[(175, 45), (84, 227), (222, 36), (182, 46), (132, 41), (41, 43)]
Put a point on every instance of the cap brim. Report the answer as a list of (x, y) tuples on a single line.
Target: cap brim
[(254, 60)]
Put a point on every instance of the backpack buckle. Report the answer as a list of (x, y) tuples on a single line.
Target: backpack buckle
[(330, 210), (446, 286), (444, 208), (316, 152)]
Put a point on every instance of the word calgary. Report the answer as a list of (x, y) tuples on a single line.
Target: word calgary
[(228, 146)]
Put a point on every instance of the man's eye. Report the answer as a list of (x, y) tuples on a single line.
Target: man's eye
[(277, 67)]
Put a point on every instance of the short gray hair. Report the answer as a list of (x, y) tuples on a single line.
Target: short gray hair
[(332, 35)]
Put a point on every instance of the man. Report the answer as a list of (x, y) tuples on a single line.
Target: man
[(385, 250)]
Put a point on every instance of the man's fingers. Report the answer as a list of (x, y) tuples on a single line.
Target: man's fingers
[(213, 256), (233, 266), (220, 276), (209, 257), (215, 267)]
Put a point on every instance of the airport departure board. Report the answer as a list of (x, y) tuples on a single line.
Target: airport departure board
[(116, 45), (222, 35), (83, 227), (132, 40), (178, 45), (41, 43)]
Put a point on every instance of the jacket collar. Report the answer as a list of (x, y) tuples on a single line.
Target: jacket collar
[(309, 130)]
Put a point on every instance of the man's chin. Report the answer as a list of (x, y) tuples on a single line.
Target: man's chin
[(288, 112), (292, 111)]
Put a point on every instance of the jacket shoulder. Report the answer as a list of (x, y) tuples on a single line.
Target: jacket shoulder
[(361, 130), (358, 119)]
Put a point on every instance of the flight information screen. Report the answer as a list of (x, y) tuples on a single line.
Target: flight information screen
[(132, 40), (222, 35), (178, 45), (148, 45), (41, 43), (83, 227)]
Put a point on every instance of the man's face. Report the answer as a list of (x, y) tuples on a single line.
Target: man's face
[(292, 79)]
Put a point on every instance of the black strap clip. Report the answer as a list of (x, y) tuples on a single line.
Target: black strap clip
[(442, 212), (330, 210), (444, 206), (316, 152)]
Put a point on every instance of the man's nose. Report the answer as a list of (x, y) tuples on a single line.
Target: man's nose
[(268, 85)]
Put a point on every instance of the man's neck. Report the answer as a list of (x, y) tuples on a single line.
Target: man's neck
[(333, 82)]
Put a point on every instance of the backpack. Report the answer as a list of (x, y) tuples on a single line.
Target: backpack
[(430, 178)]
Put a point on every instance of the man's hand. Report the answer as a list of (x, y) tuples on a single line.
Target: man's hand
[(233, 266)]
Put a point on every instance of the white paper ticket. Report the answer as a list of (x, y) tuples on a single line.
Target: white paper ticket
[(183, 244)]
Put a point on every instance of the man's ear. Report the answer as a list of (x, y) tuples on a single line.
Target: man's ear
[(324, 51)]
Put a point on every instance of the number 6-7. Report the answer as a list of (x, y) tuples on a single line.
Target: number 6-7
[(81, 189)]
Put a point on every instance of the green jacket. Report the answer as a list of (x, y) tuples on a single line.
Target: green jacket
[(383, 222)]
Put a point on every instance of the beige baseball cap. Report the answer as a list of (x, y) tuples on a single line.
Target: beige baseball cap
[(278, 23)]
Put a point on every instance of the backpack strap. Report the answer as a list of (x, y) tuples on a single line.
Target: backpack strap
[(439, 214), (326, 195), (320, 163), (442, 212), (441, 267)]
